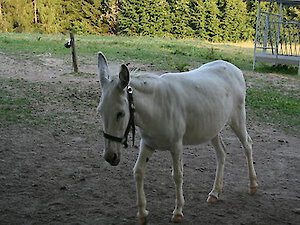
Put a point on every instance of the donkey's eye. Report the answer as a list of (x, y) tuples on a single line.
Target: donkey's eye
[(120, 115)]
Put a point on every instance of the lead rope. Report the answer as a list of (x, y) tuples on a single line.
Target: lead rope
[(131, 118)]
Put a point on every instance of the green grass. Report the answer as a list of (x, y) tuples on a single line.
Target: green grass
[(15, 104), (164, 53), (32, 44), (22, 102), (31, 104), (276, 105)]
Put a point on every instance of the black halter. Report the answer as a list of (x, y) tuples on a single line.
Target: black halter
[(131, 124)]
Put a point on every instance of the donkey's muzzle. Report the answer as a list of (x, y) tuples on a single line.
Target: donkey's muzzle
[(112, 159)]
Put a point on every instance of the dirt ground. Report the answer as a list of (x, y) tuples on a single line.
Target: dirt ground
[(55, 175)]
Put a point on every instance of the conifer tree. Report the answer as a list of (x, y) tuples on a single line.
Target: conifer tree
[(212, 20), (197, 18), (5, 17), (109, 13), (130, 16), (148, 17), (91, 15), (49, 16), (233, 20), (73, 18), (155, 20), (18, 15), (179, 18)]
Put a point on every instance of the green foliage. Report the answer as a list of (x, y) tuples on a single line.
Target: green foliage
[(234, 21), (197, 18), (212, 20), (179, 18), (49, 16), (148, 18), (17, 16)]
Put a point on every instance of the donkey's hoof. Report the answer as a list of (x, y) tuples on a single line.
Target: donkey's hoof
[(252, 190), (177, 218), (142, 221), (211, 199)]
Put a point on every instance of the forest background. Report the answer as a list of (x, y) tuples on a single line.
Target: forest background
[(212, 20)]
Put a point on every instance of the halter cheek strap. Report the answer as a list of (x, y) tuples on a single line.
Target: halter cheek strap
[(130, 124)]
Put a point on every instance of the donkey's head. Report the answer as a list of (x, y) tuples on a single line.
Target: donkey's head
[(114, 109)]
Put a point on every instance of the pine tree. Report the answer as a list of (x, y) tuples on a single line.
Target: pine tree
[(179, 18), (233, 20), (5, 25), (109, 10), (73, 19), (18, 15), (91, 16), (49, 16), (155, 20), (212, 20), (197, 18), (148, 17), (251, 15), (129, 17)]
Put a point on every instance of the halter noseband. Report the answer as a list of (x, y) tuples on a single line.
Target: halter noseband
[(131, 124)]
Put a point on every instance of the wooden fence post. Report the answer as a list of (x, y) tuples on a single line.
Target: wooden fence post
[(74, 55)]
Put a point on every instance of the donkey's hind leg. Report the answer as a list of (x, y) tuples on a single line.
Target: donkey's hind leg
[(221, 154), (238, 125), (177, 173)]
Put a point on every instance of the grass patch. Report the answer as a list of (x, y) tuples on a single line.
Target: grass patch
[(33, 44), (48, 105), (279, 69), (276, 105), (16, 105), (164, 53)]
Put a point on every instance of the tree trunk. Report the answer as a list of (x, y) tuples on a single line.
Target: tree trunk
[(35, 11), (1, 19)]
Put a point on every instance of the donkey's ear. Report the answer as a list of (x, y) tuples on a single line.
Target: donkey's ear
[(103, 69), (124, 77)]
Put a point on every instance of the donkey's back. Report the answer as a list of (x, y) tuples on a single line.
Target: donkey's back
[(217, 73)]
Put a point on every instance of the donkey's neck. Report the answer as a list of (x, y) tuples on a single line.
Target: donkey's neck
[(145, 89)]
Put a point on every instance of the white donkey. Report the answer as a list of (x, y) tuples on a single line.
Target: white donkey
[(170, 111)]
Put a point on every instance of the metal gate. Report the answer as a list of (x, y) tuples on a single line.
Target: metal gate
[(277, 40)]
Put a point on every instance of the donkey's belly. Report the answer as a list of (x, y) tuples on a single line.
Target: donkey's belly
[(199, 137), (204, 129)]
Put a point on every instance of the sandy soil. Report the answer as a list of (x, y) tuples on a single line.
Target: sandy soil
[(51, 177)]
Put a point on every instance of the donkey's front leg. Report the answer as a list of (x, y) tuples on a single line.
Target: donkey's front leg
[(139, 171), (178, 180)]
